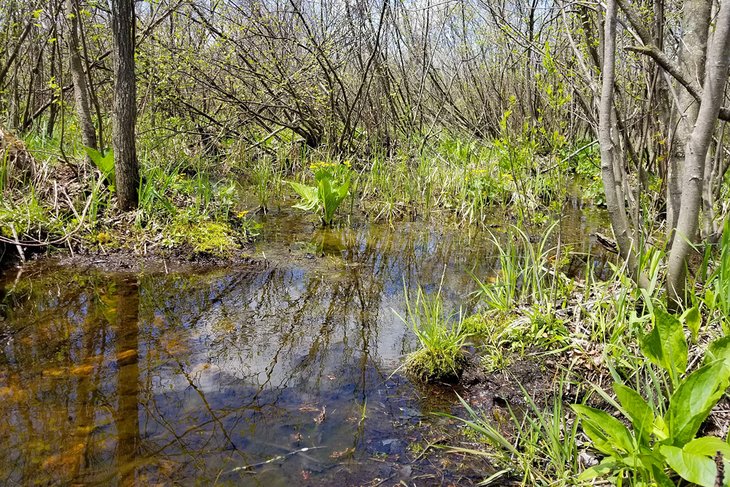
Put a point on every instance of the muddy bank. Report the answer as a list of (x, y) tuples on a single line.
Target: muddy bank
[(181, 259)]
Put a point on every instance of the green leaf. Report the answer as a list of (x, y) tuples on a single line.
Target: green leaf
[(637, 410), (308, 194), (661, 478), (692, 467), (693, 321), (665, 345), (708, 446), (608, 434), (104, 162), (718, 350), (606, 466), (693, 400)]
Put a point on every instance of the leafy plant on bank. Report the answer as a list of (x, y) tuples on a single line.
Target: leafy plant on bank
[(663, 432), (103, 161), (332, 186)]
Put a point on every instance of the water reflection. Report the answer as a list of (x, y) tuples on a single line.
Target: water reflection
[(136, 380)]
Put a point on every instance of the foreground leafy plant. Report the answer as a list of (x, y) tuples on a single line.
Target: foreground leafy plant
[(332, 186), (663, 433)]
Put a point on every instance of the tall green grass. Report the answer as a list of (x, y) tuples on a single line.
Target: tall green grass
[(528, 272), (542, 448), (442, 339)]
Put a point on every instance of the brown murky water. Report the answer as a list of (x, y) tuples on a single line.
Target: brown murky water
[(264, 376)]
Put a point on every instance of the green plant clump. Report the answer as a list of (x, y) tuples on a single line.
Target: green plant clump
[(436, 364), (332, 186), (441, 357), (662, 437), (205, 237)]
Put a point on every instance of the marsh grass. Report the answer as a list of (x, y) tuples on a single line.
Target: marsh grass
[(528, 272), (542, 448), (717, 291), (441, 356), (184, 200)]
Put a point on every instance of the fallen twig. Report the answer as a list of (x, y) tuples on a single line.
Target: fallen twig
[(275, 459)]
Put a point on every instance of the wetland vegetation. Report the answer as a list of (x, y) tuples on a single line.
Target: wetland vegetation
[(364, 242)]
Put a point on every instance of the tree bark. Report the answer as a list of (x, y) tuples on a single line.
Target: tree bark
[(611, 171), (716, 76), (695, 25), (125, 105), (81, 90)]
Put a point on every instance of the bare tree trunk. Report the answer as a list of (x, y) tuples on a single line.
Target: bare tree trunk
[(81, 91), (695, 25), (694, 164), (611, 170), (125, 105)]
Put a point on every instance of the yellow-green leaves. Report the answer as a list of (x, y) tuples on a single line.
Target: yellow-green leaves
[(104, 162), (637, 410), (609, 435), (657, 439), (332, 187), (695, 468), (693, 321)]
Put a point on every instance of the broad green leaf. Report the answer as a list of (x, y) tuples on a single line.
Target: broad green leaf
[(637, 410), (692, 467), (693, 320), (606, 466), (718, 350), (308, 194), (605, 428), (104, 162), (694, 399), (708, 446), (665, 345)]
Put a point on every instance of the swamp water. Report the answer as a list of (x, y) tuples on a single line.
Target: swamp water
[(270, 375)]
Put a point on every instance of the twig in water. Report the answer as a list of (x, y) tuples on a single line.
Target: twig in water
[(275, 459)]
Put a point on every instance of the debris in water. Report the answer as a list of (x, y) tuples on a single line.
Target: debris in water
[(319, 419), (275, 459)]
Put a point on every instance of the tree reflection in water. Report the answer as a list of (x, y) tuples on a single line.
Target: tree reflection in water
[(132, 380)]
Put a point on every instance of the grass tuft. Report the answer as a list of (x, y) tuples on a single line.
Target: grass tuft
[(441, 357)]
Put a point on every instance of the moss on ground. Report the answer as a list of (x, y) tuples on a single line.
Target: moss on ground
[(436, 366)]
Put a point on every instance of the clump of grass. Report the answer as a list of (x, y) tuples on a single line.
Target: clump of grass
[(528, 273), (206, 237), (501, 336), (441, 357), (477, 325)]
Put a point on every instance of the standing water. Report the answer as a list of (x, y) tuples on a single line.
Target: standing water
[(276, 373)]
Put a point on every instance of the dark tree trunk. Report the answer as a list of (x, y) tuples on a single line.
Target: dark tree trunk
[(125, 105)]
